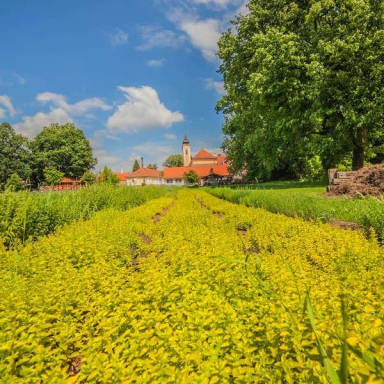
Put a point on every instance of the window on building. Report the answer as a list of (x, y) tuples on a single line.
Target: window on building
[(169, 181), (178, 180), (186, 151)]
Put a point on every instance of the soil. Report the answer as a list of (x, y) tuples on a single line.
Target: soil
[(145, 239), (366, 181), (74, 365), (337, 223), (158, 216)]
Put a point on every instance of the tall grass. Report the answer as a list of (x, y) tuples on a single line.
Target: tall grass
[(26, 216), (310, 204)]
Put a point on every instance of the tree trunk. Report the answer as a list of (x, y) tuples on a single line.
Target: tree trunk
[(358, 158), (359, 150)]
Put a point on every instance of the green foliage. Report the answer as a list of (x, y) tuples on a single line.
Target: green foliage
[(175, 160), (14, 154), (27, 216), (63, 147), (308, 203), (191, 177), (107, 176), (14, 183), (136, 166), (52, 176), (303, 80), (314, 170), (152, 166), (127, 298), (88, 178)]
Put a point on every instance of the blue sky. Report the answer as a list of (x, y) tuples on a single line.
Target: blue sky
[(133, 75)]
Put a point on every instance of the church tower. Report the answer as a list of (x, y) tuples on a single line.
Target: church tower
[(186, 147)]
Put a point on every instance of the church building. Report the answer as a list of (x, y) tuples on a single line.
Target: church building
[(211, 170)]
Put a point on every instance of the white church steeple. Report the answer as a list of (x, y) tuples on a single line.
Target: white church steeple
[(186, 148)]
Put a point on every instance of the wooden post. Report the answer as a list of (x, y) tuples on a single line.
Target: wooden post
[(331, 175)]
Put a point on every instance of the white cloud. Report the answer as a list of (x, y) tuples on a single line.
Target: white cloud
[(217, 3), (142, 111), (170, 136), (243, 9), (203, 34), (19, 78), (217, 86), (60, 112), (155, 63), (32, 125), (156, 37), (118, 37), (6, 102), (78, 108)]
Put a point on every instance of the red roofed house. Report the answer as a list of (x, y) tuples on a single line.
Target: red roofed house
[(123, 177), (146, 176), (211, 169)]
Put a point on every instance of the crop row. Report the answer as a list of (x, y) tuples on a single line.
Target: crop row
[(26, 216), (159, 294), (309, 204)]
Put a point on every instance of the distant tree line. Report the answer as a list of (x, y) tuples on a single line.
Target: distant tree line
[(58, 151), (304, 87)]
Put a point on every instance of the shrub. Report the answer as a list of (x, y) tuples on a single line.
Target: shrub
[(14, 183)]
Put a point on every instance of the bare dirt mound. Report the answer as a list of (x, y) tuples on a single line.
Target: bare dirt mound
[(366, 181)]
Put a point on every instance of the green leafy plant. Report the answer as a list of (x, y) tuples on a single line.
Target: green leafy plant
[(52, 176), (14, 183)]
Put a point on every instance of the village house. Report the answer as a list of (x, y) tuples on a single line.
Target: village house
[(211, 170)]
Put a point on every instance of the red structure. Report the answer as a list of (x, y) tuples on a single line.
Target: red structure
[(67, 184)]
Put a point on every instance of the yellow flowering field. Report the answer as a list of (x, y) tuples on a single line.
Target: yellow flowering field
[(193, 289)]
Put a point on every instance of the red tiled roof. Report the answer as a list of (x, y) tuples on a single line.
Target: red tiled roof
[(221, 160), (69, 180), (146, 172), (201, 170), (203, 154), (122, 176)]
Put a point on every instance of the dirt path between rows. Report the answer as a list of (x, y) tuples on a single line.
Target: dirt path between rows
[(147, 240)]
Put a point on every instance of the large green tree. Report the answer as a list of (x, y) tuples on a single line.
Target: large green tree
[(63, 147), (303, 79), (174, 161), (14, 154)]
